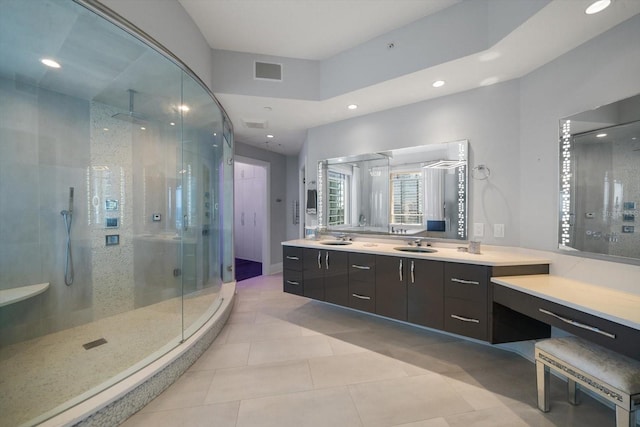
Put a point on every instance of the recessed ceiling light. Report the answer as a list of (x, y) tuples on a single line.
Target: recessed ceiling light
[(50, 63), (597, 6), (438, 83), (143, 128), (352, 106), (172, 124), (269, 136), (184, 108), (105, 129), (601, 135)]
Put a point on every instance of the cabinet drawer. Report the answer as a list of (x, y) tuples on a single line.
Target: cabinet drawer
[(362, 296), (362, 267), (292, 282), (606, 333), (466, 281), (292, 258), (466, 318)]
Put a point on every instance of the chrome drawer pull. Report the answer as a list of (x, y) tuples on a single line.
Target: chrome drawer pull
[(295, 258), (361, 296), (578, 324), (465, 319), (466, 282), (361, 267), (291, 282)]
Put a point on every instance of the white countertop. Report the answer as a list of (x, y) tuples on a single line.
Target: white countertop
[(445, 252), (609, 304)]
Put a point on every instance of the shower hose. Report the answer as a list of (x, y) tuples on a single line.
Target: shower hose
[(68, 267)]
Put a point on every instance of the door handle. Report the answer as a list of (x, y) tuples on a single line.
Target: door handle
[(413, 272), (326, 261), (319, 259), (400, 269)]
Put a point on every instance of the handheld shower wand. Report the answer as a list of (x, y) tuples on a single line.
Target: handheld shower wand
[(68, 217)]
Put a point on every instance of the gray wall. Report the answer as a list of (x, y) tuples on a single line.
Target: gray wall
[(513, 129), (169, 24)]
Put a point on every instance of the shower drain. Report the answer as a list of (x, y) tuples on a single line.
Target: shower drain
[(95, 343)]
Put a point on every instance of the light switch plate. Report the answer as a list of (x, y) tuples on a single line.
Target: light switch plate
[(478, 229), (498, 230)]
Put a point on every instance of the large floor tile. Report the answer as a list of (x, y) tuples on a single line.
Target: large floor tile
[(353, 368), (229, 355), (433, 422), (257, 381), (221, 414), (494, 417), (321, 408), (296, 348), (190, 390), (262, 331), (404, 400)]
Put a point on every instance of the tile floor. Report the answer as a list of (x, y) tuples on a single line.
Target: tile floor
[(284, 360)]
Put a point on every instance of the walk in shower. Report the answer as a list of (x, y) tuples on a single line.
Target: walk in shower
[(115, 204)]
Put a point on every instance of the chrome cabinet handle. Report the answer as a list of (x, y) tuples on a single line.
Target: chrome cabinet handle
[(578, 324), (291, 282), (361, 296), (361, 267), (465, 319), (413, 272), (400, 270), (319, 259), (466, 282), (326, 261), (295, 258)]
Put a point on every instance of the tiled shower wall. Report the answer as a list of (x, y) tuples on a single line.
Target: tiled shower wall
[(48, 143), (44, 150)]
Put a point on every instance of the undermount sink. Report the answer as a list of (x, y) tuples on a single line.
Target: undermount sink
[(418, 249), (335, 242)]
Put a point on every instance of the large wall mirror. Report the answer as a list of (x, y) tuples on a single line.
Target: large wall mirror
[(600, 182), (416, 191)]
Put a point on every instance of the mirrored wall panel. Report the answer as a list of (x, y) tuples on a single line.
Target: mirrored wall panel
[(416, 191), (600, 181)]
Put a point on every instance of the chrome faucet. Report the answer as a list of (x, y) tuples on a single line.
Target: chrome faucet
[(343, 236)]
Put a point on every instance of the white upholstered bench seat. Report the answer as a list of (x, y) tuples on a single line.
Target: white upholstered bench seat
[(609, 374)]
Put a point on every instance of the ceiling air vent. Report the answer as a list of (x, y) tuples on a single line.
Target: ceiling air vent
[(255, 124), (267, 71)]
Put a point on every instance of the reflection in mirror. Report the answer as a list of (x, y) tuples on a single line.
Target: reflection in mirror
[(418, 191), (600, 181)]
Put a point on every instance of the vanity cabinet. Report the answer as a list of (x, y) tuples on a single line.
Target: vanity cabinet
[(445, 295), (410, 290), (362, 282), (292, 270), (465, 300), (325, 275)]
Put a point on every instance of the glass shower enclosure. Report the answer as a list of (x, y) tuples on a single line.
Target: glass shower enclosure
[(115, 232)]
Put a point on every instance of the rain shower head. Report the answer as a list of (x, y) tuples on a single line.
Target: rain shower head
[(131, 116)]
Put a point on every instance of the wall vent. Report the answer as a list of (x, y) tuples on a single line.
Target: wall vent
[(255, 124), (267, 71)]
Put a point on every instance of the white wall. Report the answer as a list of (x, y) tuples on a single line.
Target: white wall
[(487, 117), (513, 129)]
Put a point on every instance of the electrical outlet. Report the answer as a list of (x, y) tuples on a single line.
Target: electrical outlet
[(478, 229), (498, 230)]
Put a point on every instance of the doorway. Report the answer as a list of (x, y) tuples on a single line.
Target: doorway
[(251, 218)]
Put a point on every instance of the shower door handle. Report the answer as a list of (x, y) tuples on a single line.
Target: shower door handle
[(185, 222)]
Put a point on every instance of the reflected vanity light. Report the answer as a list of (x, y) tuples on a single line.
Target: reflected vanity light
[(438, 83), (445, 164), (601, 135), (352, 106), (184, 108)]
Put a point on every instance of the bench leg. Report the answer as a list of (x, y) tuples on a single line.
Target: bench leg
[(572, 391), (625, 418), (542, 381)]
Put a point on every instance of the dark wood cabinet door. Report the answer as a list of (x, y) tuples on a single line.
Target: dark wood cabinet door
[(425, 293), (391, 287), (313, 273), (336, 277)]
